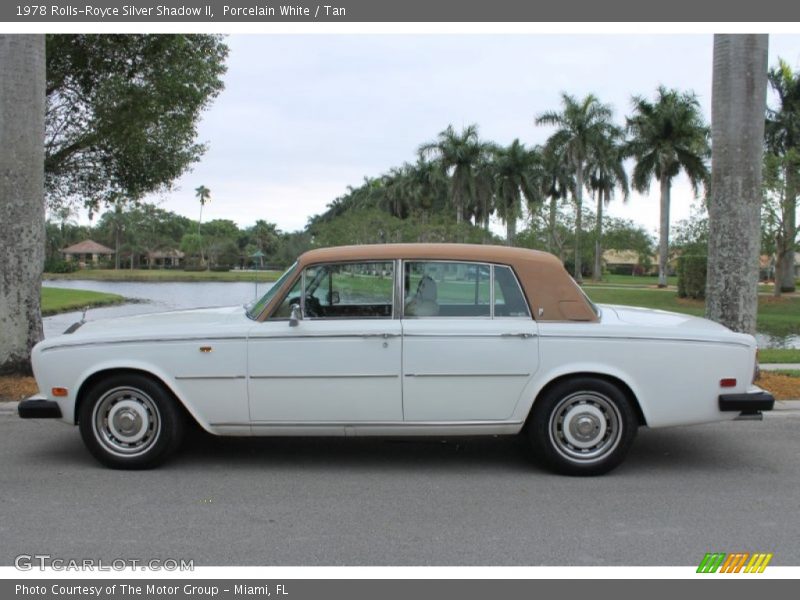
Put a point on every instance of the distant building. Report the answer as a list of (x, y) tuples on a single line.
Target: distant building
[(169, 258), (86, 252)]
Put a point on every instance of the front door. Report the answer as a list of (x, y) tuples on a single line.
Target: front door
[(340, 364)]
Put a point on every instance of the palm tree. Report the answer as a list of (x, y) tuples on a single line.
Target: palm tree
[(738, 104), (459, 154), (783, 140), (203, 194), (558, 184), (22, 226), (667, 136), (606, 173), (581, 125), (518, 174)]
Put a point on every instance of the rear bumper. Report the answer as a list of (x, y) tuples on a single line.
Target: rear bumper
[(39, 407), (757, 400)]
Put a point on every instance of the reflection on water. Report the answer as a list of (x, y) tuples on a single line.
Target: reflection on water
[(155, 297), (161, 296)]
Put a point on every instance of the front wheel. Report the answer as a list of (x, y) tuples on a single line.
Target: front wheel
[(582, 426), (129, 421)]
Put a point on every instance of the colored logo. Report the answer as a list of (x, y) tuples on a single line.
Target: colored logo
[(738, 562)]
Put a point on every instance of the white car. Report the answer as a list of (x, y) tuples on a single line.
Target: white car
[(404, 339)]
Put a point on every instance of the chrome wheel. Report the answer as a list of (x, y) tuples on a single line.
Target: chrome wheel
[(585, 426), (126, 421)]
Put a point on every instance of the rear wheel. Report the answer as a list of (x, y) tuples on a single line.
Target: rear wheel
[(582, 426), (129, 421)]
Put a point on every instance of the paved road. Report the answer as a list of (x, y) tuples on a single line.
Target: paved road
[(682, 492)]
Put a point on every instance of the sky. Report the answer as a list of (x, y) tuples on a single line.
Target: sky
[(304, 116)]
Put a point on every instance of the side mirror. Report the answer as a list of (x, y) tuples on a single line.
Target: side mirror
[(333, 298), (296, 316)]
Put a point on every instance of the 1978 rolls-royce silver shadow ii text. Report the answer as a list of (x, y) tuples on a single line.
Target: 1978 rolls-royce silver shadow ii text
[(405, 339)]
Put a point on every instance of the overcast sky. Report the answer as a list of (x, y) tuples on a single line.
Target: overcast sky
[(304, 116)]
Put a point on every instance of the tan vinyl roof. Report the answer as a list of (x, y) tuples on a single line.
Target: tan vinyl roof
[(552, 294)]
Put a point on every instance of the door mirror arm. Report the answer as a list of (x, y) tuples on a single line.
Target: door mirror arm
[(296, 316)]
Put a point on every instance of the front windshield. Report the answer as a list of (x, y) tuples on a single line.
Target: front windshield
[(256, 308)]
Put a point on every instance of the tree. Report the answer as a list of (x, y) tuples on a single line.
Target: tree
[(518, 174), (203, 195), (606, 173), (122, 111), (459, 154), (783, 140), (667, 136), (22, 77), (738, 103), (558, 184), (581, 125)]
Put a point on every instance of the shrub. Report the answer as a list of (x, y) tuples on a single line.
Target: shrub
[(56, 265), (692, 276)]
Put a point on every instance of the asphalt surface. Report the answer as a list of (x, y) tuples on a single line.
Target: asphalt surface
[(480, 501)]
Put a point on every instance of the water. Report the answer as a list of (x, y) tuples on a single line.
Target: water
[(161, 296), (154, 297)]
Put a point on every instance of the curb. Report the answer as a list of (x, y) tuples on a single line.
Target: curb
[(8, 407)]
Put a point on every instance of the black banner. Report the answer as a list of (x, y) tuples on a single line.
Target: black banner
[(338, 11)]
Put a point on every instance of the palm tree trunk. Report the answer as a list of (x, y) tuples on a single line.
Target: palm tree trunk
[(663, 244), (22, 108), (738, 102), (597, 273), (785, 277), (578, 220), (551, 233)]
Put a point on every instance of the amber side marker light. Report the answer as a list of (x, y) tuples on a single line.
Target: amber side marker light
[(730, 382), (61, 392)]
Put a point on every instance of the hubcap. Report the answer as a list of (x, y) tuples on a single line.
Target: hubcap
[(585, 426), (126, 421)]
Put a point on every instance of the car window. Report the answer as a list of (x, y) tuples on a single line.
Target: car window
[(349, 290), (254, 310), (446, 289), (284, 311), (508, 298)]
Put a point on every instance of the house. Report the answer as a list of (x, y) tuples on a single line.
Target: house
[(624, 262), (87, 253), (168, 258)]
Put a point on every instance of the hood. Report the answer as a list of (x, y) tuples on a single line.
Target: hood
[(173, 324), (648, 322)]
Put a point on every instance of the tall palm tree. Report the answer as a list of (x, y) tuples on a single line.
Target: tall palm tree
[(667, 136), (22, 225), (558, 185), (518, 174), (738, 104), (203, 194), (459, 154), (783, 139), (581, 125), (606, 174)]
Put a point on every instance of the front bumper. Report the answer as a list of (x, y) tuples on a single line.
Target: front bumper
[(39, 407), (751, 402)]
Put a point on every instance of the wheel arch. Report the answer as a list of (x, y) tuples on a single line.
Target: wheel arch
[(97, 376), (618, 382)]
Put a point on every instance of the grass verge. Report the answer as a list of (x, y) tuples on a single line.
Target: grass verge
[(164, 275), (58, 300), (779, 355)]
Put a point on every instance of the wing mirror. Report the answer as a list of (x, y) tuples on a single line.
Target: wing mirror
[(333, 298), (296, 316)]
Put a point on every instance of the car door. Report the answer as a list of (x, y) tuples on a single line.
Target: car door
[(340, 363), (470, 346)]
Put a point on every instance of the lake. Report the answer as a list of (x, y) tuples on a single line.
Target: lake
[(161, 296)]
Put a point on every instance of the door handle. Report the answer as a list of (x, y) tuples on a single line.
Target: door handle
[(524, 336)]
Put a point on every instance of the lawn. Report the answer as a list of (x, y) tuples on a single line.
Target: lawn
[(164, 275), (779, 355), (776, 316), (58, 300)]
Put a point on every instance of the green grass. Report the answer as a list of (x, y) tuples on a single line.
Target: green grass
[(164, 275), (58, 300), (631, 280), (788, 372), (776, 316), (779, 355)]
